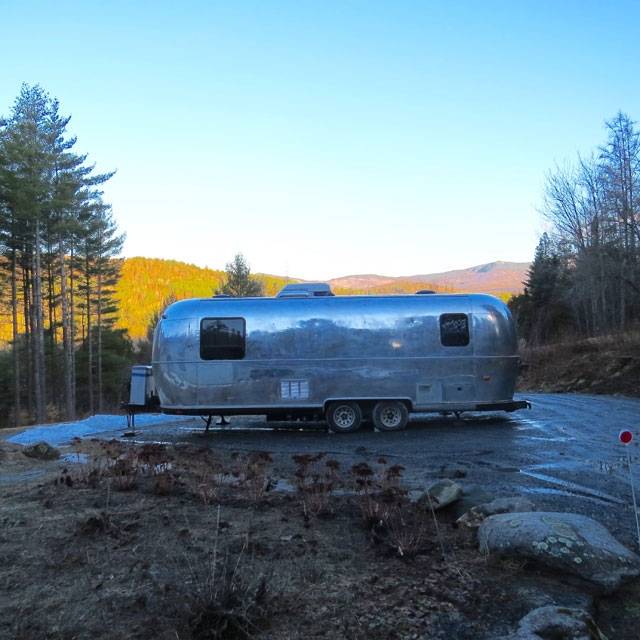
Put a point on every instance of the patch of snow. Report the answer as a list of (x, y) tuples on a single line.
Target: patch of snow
[(56, 434)]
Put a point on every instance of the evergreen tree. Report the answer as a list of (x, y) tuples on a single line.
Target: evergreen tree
[(117, 356), (542, 311), (239, 281), (98, 272), (44, 189)]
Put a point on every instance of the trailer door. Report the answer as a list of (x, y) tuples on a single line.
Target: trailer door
[(222, 342), (458, 379)]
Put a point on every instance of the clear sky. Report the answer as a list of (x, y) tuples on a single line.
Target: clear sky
[(326, 138)]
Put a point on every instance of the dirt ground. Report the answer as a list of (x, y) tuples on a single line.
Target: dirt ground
[(601, 366), (144, 542)]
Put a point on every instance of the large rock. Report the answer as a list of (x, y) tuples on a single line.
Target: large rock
[(450, 471), (476, 515), (42, 451), (556, 622), (442, 493), (569, 543), (472, 495)]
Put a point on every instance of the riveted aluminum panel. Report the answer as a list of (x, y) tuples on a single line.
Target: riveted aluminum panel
[(360, 347)]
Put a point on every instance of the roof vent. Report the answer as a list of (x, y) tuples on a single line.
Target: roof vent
[(305, 290)]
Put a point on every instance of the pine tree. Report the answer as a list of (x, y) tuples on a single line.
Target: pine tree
[(25, 175), (44, 190), (239, 281), (542, 311)]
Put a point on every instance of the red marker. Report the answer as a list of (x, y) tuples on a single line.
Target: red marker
[(625, 436)]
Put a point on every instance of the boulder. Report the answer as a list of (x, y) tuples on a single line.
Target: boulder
[(572, 544), (450, 471), (476, 515), (42, 451), (556, 622), (472, 495), (442, 493)]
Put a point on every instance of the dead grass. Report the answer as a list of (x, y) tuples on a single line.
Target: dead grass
[(82, 559), (315, 479)]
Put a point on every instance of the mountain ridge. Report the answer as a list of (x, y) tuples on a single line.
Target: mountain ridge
[(498, 276)]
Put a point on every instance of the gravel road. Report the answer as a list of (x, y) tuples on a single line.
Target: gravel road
[(564, 453)]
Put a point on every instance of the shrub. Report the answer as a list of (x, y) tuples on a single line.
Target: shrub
[(315, 483)]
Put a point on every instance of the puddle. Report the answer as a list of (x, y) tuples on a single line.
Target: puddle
[(548, 465), (610, 467), (281, 484), (21, 477), (526, 424), (560, 492), (555, 439), (573, 487), (169, 443), (614, 465), (76, 458), (284, 485)]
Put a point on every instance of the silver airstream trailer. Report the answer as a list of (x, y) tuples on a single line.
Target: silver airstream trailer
[(307, 353)]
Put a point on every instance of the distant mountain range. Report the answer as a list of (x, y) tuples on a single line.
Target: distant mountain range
[(495, 277)]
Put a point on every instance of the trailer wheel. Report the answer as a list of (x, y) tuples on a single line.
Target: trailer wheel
[(344, 417), (390, 415)]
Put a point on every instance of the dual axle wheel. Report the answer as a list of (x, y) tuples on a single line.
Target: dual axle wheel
[(345, 416)]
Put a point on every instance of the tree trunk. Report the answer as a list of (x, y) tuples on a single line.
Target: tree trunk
[(28, 333), (38, 326), (72, 332), (67, 346), (53, 383), (89, 340), (623, 300), (99, 345), (17, 409)]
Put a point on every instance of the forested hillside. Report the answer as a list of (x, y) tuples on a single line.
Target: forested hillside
[(393, 288), (147, 284)]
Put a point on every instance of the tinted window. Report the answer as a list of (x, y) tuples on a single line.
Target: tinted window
[(454, 329), (222, 338)]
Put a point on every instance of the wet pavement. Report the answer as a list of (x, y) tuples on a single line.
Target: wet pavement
[(564, 453)]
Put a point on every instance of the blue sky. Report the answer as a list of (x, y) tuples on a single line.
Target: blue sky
[(328, 138)]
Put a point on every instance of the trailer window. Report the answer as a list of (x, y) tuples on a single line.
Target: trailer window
[(454, 329), (222, 338)]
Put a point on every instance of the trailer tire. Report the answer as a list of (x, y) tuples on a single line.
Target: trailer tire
[(344, 416), (390, 415)]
